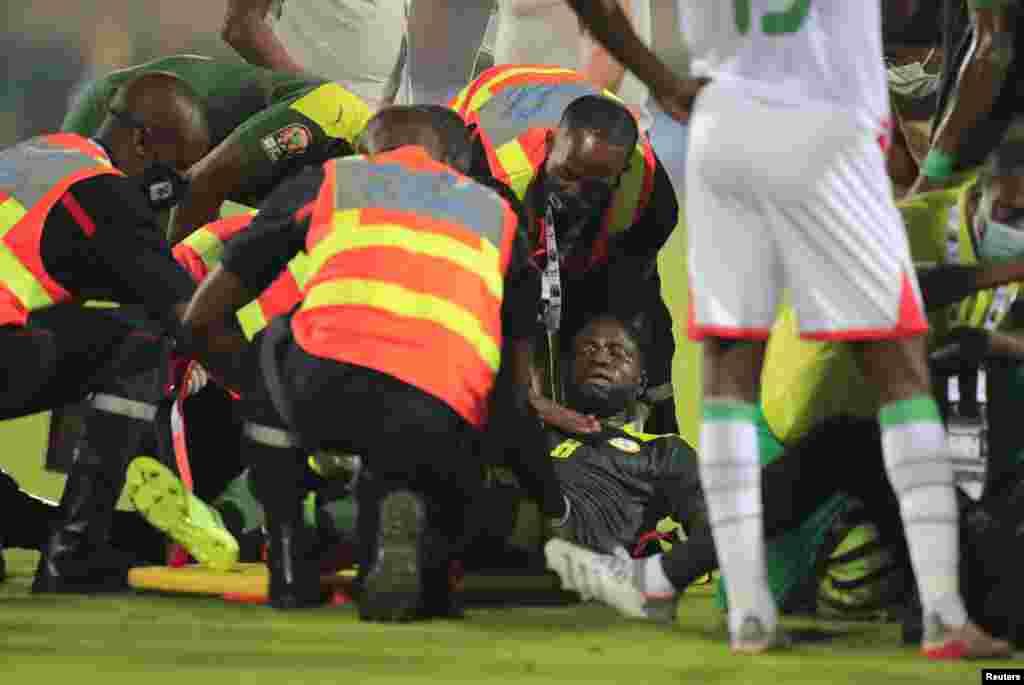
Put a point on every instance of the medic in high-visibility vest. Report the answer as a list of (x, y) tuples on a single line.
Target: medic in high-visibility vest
[(599, 203), (418, 287), (77, 223)]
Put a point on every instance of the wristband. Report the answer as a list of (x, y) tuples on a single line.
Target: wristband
[(938, 165)]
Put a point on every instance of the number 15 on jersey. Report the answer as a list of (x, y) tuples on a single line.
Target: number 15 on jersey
[(789, 19)]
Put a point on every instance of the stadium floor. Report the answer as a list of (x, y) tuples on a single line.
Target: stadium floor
[(154, 639)]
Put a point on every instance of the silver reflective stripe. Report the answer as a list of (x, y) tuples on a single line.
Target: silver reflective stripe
[(439, 195), (29, 171), (510, 113), (122, 406), (269, 436)]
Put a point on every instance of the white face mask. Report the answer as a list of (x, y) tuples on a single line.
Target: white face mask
[(999, 242)]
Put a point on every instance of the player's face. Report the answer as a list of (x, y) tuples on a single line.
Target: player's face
[(605, 356), (999, 221), (583, 170), (1008, 199)]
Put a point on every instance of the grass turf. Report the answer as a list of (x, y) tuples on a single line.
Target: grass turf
[(151, 639)]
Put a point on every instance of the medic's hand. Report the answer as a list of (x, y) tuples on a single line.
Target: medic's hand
[(186, 374), (563, 418)]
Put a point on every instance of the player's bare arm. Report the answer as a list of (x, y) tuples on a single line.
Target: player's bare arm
[(947, 284), (246, 30), (600, 68), (211, 340), (978, 85), (608, 24), (211, 180)]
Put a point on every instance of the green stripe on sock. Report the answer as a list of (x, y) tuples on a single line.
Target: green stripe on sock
[(729, 410), (239, 494), (920, 409)]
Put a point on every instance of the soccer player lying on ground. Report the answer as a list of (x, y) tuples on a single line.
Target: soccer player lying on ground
[(617, 483), (263, 125)]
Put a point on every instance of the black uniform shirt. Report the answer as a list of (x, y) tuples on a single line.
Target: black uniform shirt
[(101, 242), (617, 481)]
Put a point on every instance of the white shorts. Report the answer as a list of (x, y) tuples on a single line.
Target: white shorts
[(794, 201)]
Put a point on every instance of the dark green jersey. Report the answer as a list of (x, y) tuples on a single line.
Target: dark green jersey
[(619, 483), (279, 120)]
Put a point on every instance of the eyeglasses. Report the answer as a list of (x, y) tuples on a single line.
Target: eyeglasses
[(155, 134)]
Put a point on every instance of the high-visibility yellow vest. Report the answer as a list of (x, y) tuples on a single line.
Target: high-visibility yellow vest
[(201, 251), (34, 176), (514, 108), (407, 266)]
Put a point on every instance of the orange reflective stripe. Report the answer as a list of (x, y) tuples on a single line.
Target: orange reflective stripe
[(23, 238), (322, 220), (282, 295), (201, 251), (389, 351), (421, 274), (497, 78), (24, 282), (468, 94), (190, 260), (229, 227), (392, 283)]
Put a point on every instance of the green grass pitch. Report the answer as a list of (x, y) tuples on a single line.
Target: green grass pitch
[(150, 640)]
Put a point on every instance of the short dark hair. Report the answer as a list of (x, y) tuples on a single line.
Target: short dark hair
[(608, 118), (452, 131), (400, 125)]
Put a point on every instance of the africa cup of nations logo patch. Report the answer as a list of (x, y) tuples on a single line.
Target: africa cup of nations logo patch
[(287, 142)]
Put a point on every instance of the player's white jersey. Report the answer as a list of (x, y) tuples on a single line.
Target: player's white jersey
[(354, 42), (793, 51)]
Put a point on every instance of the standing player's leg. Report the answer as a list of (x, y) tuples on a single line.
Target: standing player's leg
[(852, 278), (736, 282), (920, 468)]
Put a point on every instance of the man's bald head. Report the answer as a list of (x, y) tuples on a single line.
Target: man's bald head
[(437, 129), (155, 117)]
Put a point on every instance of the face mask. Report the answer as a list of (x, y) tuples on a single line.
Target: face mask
[(999, 242), (571, 209), (164, 186)]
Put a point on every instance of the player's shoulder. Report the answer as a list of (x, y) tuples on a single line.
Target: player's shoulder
[(659, 440)]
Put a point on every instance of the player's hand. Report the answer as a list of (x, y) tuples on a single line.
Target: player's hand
[(676, 96), (563, 418), (187, 374), (195, 378)]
